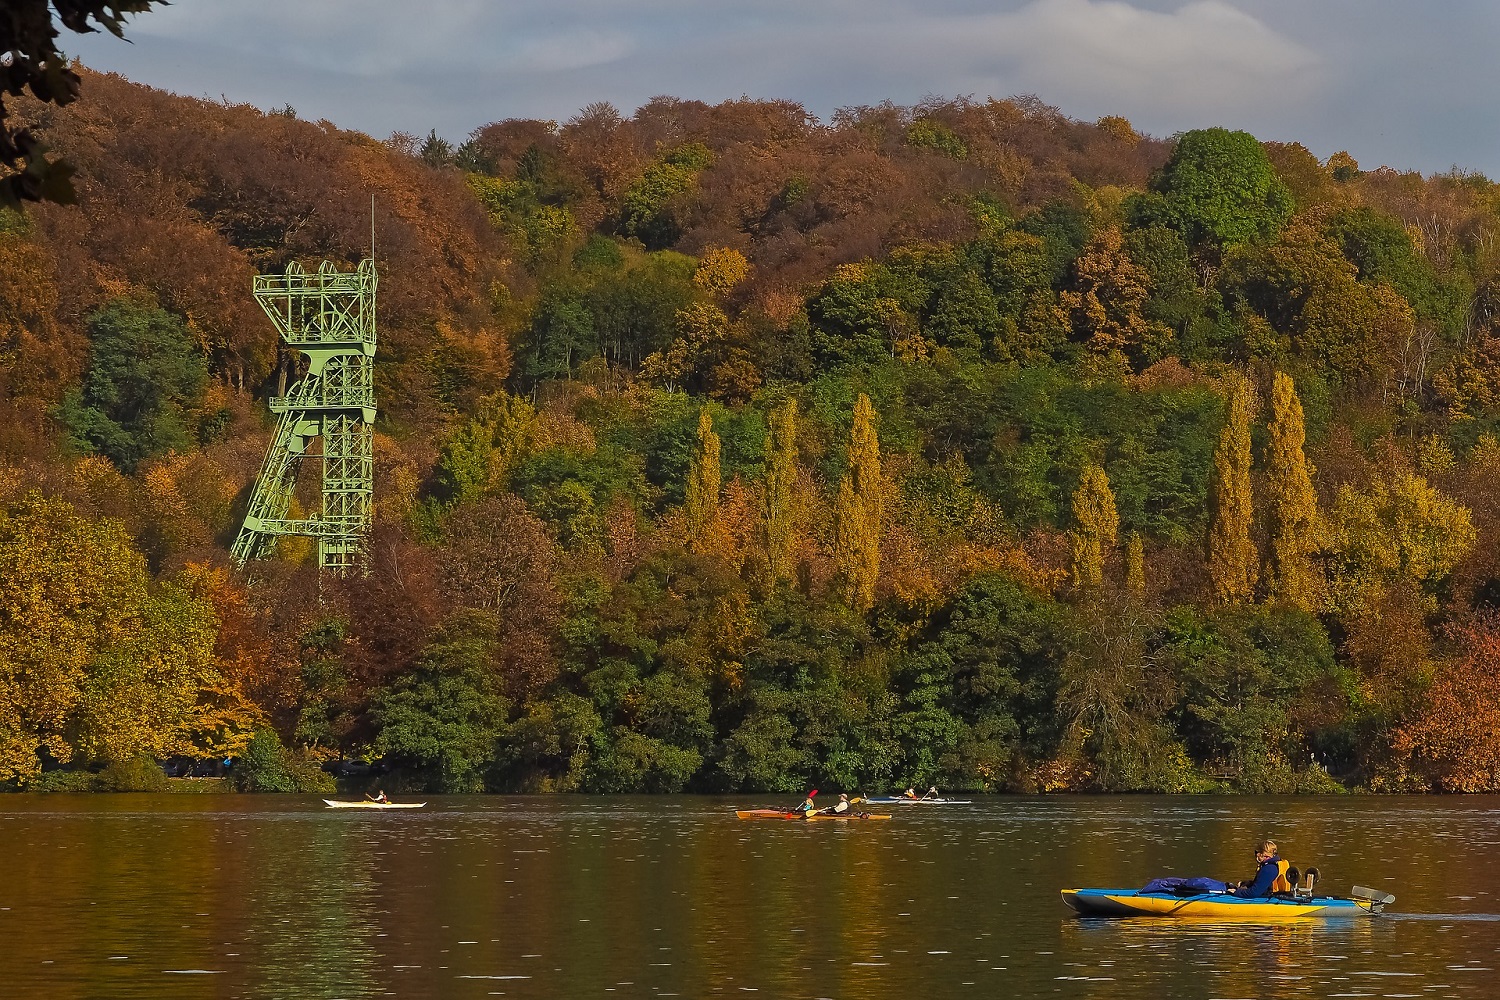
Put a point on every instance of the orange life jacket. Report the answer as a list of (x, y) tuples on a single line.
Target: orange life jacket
[(1282, 883)]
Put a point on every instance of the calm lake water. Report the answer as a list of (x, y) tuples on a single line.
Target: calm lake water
[(268, 897)]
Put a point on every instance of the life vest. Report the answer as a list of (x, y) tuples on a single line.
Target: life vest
[(1282, 883)]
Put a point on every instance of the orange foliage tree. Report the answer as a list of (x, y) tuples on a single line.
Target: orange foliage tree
[(1453, 744)]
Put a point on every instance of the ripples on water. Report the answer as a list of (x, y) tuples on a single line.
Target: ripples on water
[(268, 897)]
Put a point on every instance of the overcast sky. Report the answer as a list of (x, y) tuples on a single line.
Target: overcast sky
[(1404, 83)]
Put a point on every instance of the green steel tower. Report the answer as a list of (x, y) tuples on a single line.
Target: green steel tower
[(330, 317)]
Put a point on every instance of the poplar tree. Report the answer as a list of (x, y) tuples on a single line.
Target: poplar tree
[(1096, 527), (1292, 511), (701, 500), (781, 476), (1135, 566), (860, 510), (1231, 554)]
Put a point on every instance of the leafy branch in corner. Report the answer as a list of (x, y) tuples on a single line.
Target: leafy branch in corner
[(29, 57)]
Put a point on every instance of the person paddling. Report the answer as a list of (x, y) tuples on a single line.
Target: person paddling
[(808, 806), (910, 793), (839, 808), (1270, 874), (378, 797)]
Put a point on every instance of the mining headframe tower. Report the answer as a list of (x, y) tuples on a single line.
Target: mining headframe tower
[(329, 316)]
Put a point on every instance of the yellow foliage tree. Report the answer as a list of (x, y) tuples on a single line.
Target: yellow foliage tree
[(1096, 527), (1135, 566), (1231, 553), (95, 662), (1292, 506), (720, 269), (859, 510), (701, 499), (1402, 528), (777, 519)]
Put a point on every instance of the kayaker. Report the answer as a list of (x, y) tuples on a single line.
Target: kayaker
[(808, 806), (910, 793), (378, 797), (838, 808), (1270, 875), (931, 793)]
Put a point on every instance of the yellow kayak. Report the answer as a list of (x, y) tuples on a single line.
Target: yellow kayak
[(1220, 906)]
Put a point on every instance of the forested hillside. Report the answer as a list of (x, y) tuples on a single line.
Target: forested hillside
[(722, 449)]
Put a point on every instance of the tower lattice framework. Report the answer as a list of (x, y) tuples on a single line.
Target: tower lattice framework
[(328, 315)]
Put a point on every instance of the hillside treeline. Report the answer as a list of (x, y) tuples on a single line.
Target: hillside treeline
[(723, 449)]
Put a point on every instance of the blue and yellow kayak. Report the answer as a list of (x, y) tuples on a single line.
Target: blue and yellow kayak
[(1219, 906)]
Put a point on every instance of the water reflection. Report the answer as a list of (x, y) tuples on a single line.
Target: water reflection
[(226, 896)]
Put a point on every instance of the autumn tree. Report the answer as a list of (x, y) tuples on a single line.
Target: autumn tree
[(778, 520), (1096, 525), (1453, 742), (96, 662), (720, 270), (1135, 566), (1231, 554), (1291, 504), (37, 356), (859, 510), (1400, 529), (701, 496), (1104, 306)]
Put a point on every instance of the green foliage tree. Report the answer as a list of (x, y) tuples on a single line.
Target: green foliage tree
[(446, 716), (979, 690), (928, 133), (1246, 674), (646, 209), (145, 376), (1316, 307), (562, 335), (964, 313), (1218, 188), (481, 453), (1232, 557)]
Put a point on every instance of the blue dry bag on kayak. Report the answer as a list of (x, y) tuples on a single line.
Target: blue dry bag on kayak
[(1185, 886)]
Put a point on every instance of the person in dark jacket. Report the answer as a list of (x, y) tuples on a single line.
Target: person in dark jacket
[(1270, 875)]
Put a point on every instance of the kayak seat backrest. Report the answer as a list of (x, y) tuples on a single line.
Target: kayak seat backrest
[(1302, 882)]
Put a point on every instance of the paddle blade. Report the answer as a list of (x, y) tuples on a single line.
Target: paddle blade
[(1373, 895)]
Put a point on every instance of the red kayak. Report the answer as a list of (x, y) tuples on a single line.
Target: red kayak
[(783, 814)]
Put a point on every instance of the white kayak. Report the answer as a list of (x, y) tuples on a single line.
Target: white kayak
[(367, 804), (896, 800)]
